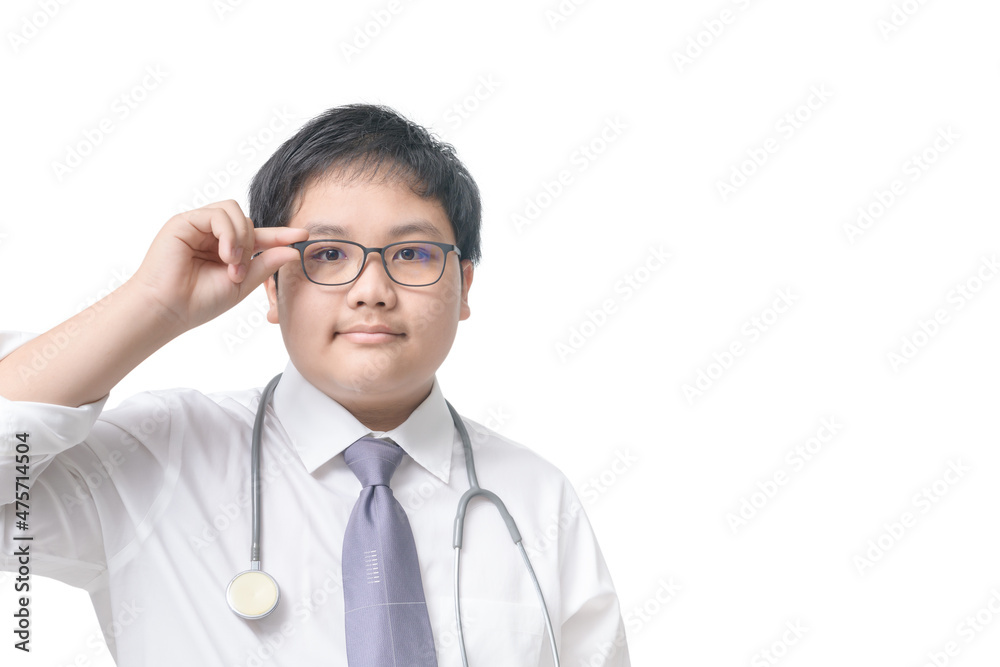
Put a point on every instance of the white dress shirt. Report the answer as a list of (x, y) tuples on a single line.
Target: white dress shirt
[(147, 507)]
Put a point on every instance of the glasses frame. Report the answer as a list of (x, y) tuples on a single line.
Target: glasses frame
[(302, 245)]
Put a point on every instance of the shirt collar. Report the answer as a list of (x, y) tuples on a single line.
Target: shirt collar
[(320, 428)]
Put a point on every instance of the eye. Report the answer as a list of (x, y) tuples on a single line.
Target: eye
[(412, 254), (326, 254)]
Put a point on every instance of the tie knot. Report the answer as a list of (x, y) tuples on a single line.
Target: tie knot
[(373, 461)]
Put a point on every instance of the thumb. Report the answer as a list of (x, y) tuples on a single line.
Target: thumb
[(266, 263)]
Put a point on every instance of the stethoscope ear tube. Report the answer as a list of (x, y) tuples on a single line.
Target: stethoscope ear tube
[(463, 505), (474, 489), (515, 535)]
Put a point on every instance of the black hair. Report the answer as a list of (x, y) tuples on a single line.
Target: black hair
[(373, 142)]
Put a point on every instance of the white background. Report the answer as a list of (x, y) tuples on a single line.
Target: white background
[(660, 471)]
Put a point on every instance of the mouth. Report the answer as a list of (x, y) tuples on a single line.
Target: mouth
[(367, 335)]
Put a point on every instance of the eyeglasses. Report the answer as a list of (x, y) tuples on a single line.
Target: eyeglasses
[(409, 263)]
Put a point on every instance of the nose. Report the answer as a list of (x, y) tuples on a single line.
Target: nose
[(373, 287)]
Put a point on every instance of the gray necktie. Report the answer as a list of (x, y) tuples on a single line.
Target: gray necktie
[(384, 609)]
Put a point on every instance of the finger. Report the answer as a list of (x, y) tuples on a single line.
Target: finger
[(241, 245), (237, 272), (218, 223), (239, 249)]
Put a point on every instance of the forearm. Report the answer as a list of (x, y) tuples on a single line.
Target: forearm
[(80, 360)]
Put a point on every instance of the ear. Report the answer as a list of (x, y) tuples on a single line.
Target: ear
[(272, 299), (466, 284)]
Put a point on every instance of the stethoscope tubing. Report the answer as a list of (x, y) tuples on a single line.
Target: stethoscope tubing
[(463, 504), (258, 428), (515, 535)]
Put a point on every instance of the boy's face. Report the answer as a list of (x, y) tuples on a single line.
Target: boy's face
[(320, 324)]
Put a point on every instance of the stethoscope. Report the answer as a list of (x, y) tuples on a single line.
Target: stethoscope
[(254, 594)]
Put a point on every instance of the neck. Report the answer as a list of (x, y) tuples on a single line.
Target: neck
[(382, 413), (381, 420)]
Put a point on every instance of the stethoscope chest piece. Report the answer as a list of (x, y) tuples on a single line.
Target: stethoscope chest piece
[(252, 594)]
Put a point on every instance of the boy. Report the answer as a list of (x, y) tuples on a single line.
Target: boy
[(148, 506)]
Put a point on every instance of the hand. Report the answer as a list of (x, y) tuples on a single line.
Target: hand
[(199, 265)]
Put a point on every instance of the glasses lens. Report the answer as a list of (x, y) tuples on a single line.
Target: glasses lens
[(414, 264), (332, 263)]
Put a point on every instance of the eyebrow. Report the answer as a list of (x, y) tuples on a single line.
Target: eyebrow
[(402, 229)]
